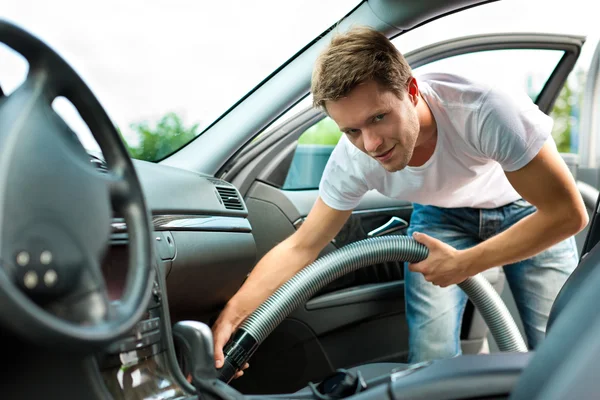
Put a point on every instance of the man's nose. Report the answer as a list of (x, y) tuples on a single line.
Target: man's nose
[(371, 141)]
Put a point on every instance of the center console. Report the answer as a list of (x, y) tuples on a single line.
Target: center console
[(138, 366), (141, 364), (203, 232)]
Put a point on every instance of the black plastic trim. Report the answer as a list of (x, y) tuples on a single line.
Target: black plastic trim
[(358, 294)]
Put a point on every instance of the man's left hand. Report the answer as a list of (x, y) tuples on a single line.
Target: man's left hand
[(444, 265)]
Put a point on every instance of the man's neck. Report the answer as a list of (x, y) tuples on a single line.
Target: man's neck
[(427, 140)]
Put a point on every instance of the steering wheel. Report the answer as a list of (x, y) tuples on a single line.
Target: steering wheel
[(55, 211)]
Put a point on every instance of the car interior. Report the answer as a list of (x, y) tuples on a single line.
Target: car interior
[(113, 270)]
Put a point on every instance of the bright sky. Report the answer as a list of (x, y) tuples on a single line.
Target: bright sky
[(144, 58)]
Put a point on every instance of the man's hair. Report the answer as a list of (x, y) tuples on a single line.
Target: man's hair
[(359, 55)]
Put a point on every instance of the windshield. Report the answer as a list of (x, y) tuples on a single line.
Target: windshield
[(164, 70)]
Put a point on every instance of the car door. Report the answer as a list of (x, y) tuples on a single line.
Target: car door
[(360, 318)]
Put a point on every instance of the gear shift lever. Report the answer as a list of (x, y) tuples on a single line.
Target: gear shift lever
[(197, 342), (196, 338)]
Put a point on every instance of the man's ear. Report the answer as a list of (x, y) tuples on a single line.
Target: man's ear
[(413, 90)]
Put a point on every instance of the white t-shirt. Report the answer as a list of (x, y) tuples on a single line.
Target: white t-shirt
[(482, 132)]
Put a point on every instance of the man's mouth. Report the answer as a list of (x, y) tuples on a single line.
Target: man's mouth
[(385, 156)]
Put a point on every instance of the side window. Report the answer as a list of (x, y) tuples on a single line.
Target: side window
[(314, 148)]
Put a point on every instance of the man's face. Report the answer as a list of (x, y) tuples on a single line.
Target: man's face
[(378, 123)]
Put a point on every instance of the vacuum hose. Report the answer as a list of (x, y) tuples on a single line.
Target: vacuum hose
[(302, 286)]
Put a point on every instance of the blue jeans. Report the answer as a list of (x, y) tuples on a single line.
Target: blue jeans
[(434, 314)]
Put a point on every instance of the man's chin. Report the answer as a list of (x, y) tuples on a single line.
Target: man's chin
[(393, 167)]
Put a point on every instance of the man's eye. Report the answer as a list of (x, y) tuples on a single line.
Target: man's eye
[(352, 131), (379, 117)]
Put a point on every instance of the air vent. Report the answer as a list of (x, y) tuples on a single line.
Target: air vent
[(230, 198)]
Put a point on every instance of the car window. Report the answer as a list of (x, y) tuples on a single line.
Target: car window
[(314, 148), (522, 69)]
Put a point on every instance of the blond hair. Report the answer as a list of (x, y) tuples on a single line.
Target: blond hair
[(359, 55)]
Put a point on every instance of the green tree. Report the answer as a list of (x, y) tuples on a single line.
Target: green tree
[(325, 131), (565, 118), (165, 137), (561, 114)]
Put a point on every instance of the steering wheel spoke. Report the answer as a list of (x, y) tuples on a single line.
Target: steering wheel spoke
[(88, 304), (118, 186)]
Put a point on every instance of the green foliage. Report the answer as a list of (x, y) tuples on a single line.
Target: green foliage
[(325, 132), (168, 135), (563, 113)]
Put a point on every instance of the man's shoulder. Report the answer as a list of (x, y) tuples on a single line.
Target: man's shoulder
[(451, 90), (352, 160), (345, 149), (452, 80)]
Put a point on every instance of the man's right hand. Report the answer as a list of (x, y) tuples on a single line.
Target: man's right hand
[(223, 328)]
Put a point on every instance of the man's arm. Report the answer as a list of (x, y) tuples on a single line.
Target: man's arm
[(281, 263), (547, 184)]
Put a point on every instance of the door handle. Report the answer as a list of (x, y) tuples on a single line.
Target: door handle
[(393, 225)]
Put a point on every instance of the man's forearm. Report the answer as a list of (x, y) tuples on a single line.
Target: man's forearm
[(523, 240), (273, 270)]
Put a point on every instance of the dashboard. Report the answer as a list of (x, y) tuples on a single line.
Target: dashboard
[(202, 239), (204, 249)]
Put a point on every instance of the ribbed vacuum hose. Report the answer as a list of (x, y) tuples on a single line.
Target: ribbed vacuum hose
[(302, 286), (494, 312)]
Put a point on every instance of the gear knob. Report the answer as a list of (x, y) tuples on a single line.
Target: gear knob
[(197, 340)]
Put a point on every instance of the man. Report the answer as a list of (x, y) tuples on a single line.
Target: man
[(487, 183)]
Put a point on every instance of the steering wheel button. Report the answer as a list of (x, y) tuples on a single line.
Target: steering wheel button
[(30, 279), (50, 278), (23, 258), (46, 257)]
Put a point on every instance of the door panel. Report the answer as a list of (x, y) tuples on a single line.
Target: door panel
[(275, 214), (357, 228)]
